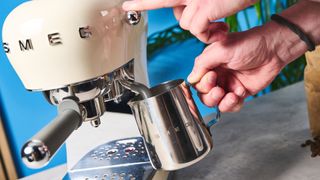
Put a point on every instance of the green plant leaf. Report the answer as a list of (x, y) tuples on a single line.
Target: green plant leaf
[(233, 23), (257, 7)]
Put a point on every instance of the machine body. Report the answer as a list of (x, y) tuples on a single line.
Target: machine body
[(75, 49), (84, 53), (56, 44)]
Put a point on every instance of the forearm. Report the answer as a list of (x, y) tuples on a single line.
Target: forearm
[(286, 45), (306, 14)]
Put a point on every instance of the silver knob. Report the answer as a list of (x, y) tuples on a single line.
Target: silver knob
[(35, 154), (133, 17)]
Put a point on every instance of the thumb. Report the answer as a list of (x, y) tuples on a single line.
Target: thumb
[(204, 63)]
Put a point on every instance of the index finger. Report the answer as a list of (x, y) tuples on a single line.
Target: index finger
[(141, 5)]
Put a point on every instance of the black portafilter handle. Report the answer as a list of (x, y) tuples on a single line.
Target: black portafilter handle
[(39, 150)]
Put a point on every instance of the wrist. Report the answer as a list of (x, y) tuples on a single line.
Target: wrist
[(284, 44), (306, 15)]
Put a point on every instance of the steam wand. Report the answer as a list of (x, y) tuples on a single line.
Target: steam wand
[(138, 88)]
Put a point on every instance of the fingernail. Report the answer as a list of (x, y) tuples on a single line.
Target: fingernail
[(240, 92), (193, 77)]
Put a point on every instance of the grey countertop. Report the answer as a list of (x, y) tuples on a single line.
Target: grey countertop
[(262, 142)]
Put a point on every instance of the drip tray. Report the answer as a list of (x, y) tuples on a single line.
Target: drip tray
[(124, 159)]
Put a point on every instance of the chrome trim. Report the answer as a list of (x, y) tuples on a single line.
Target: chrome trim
[(93, 93)]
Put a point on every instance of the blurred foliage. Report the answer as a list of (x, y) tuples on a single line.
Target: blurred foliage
[(164, 38), (263, 10)]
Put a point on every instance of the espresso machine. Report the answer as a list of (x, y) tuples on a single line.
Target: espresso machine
[(82, 54)]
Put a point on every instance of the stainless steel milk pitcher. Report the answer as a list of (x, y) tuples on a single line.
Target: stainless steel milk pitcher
[(171, 125)]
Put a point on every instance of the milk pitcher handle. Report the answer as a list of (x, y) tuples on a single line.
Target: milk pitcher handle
[(218, 113)]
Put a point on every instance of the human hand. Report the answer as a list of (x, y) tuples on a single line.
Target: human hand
[(247, 62), (197, 16), (242, 65)]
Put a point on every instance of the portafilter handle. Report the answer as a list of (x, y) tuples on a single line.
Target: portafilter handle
[(39, 150)]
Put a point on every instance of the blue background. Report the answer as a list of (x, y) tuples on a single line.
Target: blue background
[(25, 113)]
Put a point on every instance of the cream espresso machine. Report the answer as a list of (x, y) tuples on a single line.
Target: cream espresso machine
[(82, 54)]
